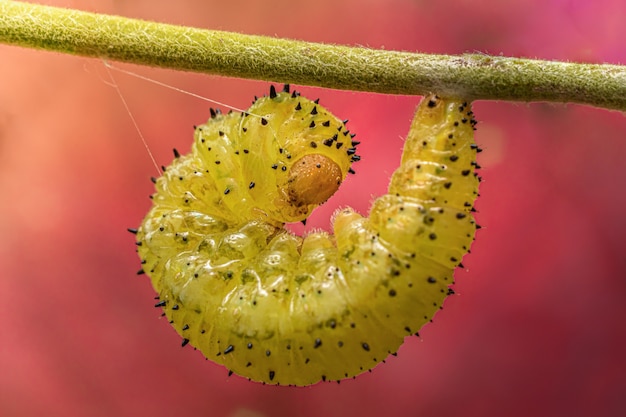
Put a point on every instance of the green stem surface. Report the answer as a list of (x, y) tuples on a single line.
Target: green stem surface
[(472, 76)]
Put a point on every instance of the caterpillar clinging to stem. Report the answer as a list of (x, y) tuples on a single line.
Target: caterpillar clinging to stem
[(285, 309)]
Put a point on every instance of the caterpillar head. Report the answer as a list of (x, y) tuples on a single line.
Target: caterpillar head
[(310, 152), (312, 180), (278, 160)]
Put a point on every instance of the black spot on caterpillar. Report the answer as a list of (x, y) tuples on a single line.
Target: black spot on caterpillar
[(283, 309)]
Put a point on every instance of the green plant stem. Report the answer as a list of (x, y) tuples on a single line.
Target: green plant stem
[(473, 76)]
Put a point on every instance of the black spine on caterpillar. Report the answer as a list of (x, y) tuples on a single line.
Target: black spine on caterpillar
[(282, 309)]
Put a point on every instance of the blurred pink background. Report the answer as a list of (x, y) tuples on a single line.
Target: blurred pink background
[(537, 327)]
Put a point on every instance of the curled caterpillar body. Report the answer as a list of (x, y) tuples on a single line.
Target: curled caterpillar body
[(282, 309)]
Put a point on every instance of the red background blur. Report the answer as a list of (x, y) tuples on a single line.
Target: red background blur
[(536, 330)]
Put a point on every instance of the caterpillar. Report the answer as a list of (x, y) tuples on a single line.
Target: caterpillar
[(283, 309)]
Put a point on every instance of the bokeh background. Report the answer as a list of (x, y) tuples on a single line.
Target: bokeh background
[(537, 327)]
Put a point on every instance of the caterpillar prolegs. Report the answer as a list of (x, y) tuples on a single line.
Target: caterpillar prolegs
[(285, 309)]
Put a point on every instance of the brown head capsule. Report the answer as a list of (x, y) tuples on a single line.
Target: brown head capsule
[(312, 180)]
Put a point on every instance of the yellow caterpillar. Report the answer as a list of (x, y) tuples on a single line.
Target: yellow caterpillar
[(283, 309)]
